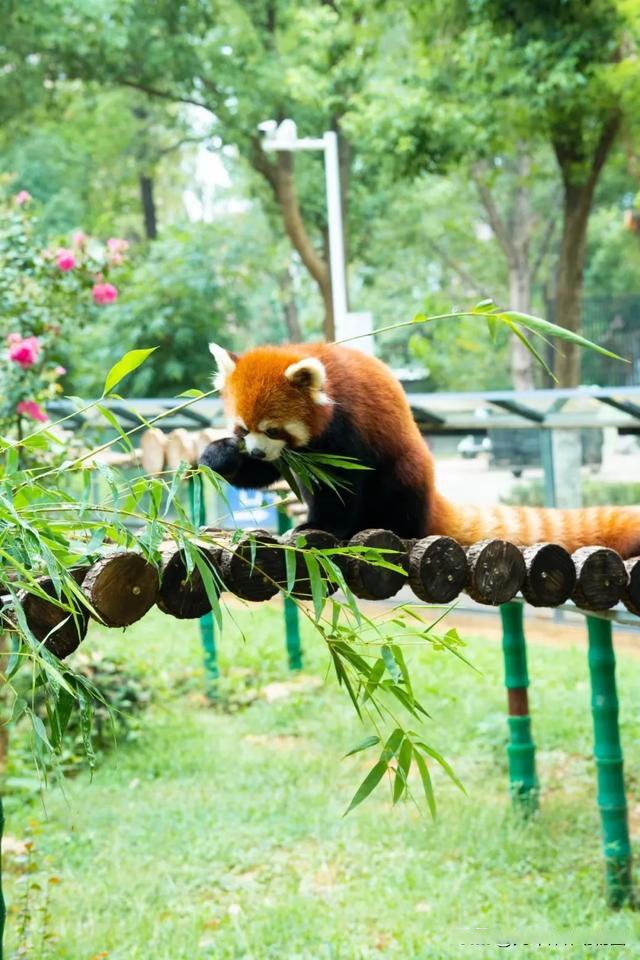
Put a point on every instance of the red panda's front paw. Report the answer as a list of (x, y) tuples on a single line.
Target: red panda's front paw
[(223, 457)]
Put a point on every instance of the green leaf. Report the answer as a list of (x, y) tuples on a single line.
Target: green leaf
[(402, 770), (126, 365), (374, 679), (364, 745), (290, 565), (369, 784), (317, 584), (390, 663), (399, 658), (392, 745), (546, 328), (427, 786), (40, 730), (443, 763)]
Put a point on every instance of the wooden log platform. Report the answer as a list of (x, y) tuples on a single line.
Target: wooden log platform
[(121, 586)]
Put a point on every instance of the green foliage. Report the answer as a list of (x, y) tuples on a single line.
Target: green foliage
[(124, 694), (260, 793), (44, 294), (198, 283)]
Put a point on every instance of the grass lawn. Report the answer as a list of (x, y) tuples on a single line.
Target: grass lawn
[(220, 834)]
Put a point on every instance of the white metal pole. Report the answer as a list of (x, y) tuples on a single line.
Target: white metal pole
[(336, 237)]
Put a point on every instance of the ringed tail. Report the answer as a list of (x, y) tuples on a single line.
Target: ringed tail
[(614, 527)]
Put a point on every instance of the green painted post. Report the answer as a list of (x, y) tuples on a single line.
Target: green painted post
[(523, 782), (207, 635), (3, 907), (609, 762), (291, 623)]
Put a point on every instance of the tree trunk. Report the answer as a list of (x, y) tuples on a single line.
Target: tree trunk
[(513, 235), (290, 307), (577, 204), (280, 177), (520, 300), (578, 198), (520, 268), (148, 207)]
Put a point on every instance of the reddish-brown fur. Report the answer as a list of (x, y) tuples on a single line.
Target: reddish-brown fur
[(257, 390)]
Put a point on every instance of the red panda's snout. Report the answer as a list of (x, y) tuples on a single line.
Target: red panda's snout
[(274, 398)]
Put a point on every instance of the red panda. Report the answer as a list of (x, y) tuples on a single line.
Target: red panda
[(334, 399)]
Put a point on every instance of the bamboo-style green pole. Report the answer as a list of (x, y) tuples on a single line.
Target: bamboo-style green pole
[(3, 907), (291, 622), (207, 635), (523, 782), (609, 762)]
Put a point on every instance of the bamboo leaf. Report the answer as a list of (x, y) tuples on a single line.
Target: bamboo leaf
[(368, 785), (402, 770), (364, 745), (427, 786), (125, 365)]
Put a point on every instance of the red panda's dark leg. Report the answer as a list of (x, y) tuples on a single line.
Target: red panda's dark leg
[(338, 513), (239, 469)]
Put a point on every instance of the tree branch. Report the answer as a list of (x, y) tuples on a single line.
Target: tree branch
[(495, 220), (163, 94), (459, 270), (545, 243), (288, 199)]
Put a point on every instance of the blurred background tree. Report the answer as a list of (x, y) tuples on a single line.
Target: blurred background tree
[(478, 143)]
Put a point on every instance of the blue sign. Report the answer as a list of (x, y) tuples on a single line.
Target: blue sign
[(252, 508)]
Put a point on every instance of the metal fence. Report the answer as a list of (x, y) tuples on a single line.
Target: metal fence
[(614, 323)]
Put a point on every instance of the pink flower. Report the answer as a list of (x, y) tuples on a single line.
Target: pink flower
[(104, 293), (65, 259), (14, 338), (59, 371), (25, 352), (116, 259), (79, 238), (22, 197), (117, 245), (29, 408)]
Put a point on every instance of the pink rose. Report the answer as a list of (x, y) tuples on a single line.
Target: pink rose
[(117, 245), (79, 238), (104, 293), (65, 259), (22, 197), (29, 408), (25, 352), (59, 371)]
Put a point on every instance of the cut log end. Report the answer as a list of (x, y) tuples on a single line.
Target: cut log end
[(61, 630), (369, 581), (496, 571), (438, 569), (254, 568), (183, 595), (631, 592), (601, 578), (121, 588), (550, 575), (318, 540)]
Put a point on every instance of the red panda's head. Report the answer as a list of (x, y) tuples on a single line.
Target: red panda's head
[(274, 397)]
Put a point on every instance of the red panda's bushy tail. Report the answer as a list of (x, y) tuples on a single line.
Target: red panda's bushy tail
[(615, 527)]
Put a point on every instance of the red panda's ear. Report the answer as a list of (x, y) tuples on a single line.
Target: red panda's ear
[(309, 374), (226, 364)]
